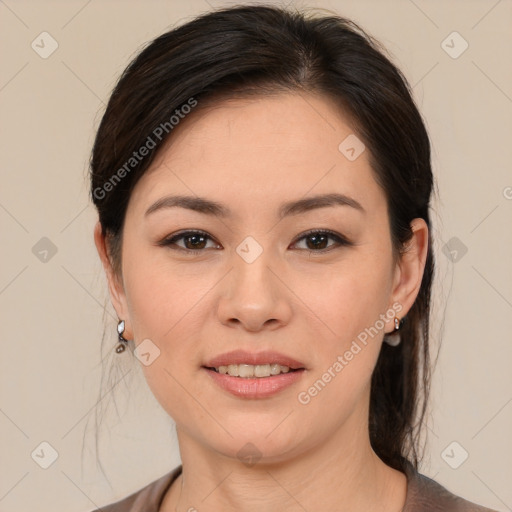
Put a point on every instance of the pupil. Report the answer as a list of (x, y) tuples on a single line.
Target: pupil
[(193, 237), (314, 237)]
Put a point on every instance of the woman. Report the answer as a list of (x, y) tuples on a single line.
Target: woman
[(263, 183)]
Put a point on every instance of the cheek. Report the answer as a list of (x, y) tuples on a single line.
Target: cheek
[(167, 304), (348, 302), (346, 298), (163, 297), (347, 353)]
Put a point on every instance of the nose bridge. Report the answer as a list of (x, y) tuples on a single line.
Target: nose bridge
[(254, 294), (252, 272)]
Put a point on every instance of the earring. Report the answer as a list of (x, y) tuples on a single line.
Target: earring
[(123, 342), (393, 338)]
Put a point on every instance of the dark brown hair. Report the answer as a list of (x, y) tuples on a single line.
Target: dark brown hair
[(263, 50)]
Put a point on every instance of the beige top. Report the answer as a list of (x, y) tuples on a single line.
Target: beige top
[(423, 495)]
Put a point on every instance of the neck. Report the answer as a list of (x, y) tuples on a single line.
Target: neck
[(343, 474)]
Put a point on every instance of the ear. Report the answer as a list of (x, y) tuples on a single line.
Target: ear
[(115, 285), (410, 267)]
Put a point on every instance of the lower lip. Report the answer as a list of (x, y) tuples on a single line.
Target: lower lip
[(259, 387)]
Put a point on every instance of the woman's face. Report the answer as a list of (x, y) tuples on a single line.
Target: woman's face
[(256, 281)]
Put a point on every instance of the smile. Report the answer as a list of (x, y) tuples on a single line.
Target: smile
[(249, 370), (252, 386)]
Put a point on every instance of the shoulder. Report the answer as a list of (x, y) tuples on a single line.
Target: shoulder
[(147, 499), (426, 495)]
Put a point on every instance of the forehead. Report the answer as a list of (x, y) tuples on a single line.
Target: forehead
[(252, 152)]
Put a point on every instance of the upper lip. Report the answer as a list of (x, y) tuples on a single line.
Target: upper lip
[(253, 358)]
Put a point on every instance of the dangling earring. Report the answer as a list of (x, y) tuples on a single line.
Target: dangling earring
[(393, 338), (122, 341)]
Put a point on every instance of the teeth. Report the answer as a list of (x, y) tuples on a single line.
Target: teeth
[(249, 370)]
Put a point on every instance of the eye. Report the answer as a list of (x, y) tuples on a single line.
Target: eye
[(319, 238), (194, 241)]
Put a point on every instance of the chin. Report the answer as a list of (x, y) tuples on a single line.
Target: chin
[(259, 444)]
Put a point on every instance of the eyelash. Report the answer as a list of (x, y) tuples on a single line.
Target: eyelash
[(340, 240)]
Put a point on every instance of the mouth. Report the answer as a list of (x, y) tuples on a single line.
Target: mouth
[(250, 371), (250, 365), (254, 374)]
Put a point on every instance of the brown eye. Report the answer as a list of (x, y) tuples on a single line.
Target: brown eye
[(317, 240), (193, 241)]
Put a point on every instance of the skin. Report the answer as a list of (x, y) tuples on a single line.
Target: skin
[(252, 155)]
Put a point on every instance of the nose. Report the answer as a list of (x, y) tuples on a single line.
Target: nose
[(254, 296)]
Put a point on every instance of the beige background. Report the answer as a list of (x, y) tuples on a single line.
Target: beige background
[(52, 311)]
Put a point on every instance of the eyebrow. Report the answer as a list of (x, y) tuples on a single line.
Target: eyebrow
[(209, 207)]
